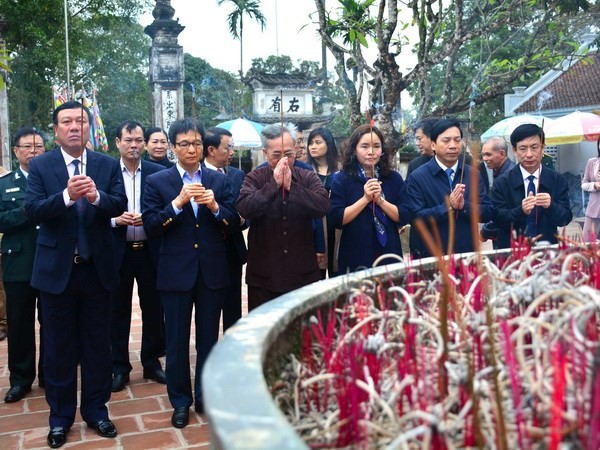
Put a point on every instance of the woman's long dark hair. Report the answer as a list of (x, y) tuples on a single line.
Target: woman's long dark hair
[(332, 151), (350, 162), (598, 145)]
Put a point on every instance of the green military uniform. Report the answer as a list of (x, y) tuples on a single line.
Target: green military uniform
[(18, 251)]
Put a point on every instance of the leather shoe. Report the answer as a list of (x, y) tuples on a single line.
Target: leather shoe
[(16, 393), (181, 417), (199, 407), (57, 437), (119, 381), (105, 428), (157, 375)]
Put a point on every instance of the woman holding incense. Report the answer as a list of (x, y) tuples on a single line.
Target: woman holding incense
[(368, 202), (323, 157)]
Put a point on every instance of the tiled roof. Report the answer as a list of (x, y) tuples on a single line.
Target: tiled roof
[(282, 79), (576, 88)]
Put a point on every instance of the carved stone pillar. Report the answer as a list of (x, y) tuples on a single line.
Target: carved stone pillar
[(166, 66)]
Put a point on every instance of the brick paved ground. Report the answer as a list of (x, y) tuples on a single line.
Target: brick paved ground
[(141, 413)]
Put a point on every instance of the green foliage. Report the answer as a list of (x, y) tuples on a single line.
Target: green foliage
[(216, 91), (283, 64), (355, 23), (468, 53), (4, 58), (107, 47), (235, 20)]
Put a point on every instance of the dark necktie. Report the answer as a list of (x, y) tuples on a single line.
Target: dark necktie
[(531, 229), (450, 174), (83, 246)]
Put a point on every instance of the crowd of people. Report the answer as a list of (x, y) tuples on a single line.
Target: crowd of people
[(80, 227)]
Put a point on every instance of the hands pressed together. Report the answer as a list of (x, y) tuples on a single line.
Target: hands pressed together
[(283, 174), (129, 219), (372, 189), (457, 197), (542, 199), (197, 193), (82, 186)]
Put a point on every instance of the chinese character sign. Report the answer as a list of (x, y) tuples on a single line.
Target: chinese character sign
[(169, 107), (289, 104)]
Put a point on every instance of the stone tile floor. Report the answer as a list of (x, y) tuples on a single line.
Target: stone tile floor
[(141, 412)]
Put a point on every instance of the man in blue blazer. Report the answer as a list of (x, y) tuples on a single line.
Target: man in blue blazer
[(438, 192), (218, 155), (73, 192), (191, 209), (136, 262), (530, 199)]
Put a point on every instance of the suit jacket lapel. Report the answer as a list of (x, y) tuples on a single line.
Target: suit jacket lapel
[(516, 183), (59, 167)]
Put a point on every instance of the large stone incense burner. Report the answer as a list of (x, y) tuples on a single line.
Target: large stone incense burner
[(496, 351)]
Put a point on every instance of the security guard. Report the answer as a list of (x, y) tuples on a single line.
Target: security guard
[(18, 251)]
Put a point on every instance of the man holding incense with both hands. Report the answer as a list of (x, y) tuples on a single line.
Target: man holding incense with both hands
[(73, 192), (441, 190), (190, 208), (530, 199)]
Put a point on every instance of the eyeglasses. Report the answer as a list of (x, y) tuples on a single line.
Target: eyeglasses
[(535, 148), (185, 144), (28, 147)]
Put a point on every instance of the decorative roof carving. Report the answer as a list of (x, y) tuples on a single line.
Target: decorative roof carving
[(163, 10), (164, 26), (280, 80)]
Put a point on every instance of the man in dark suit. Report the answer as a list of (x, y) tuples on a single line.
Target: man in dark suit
[(190, 208), (440, 178), (494, 153), (423, 142), (530, 199), (73, 192), (18, 250), (218, 143), (135, 261)]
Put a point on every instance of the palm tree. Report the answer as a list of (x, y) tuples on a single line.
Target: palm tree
[(251, 8)]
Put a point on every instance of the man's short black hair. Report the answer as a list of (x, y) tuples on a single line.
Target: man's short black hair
[(214, 135), (524, 131), (442, 125), (26, 131), (71, 104), (425, 125), (182, 126), (128, 125)]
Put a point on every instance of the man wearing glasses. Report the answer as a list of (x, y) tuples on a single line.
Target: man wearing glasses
[(190, 208), (18, 251), (530, 199)]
